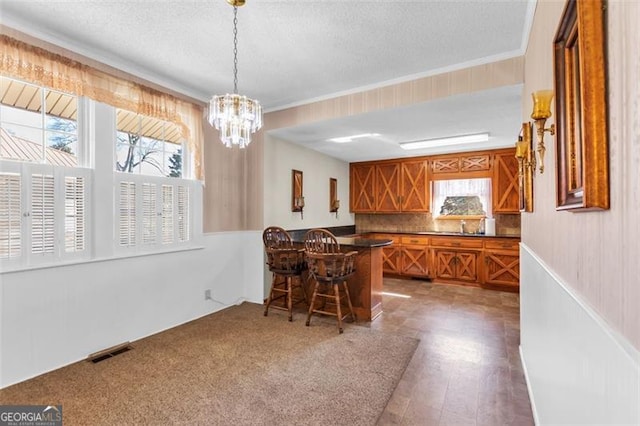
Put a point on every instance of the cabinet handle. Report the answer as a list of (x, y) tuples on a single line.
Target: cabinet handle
[(414, 241), (455, 244)]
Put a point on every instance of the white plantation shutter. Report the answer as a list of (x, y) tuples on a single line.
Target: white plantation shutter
[(127, 214), (42, 214), (74, 214), (167, 214), (183, 213), (10, 215), (149, 215)]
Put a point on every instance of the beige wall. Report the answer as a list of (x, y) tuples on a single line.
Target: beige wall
[(596, 254)]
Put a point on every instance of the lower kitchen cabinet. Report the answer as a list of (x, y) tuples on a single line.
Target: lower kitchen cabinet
[(454, 265), (502, 268), (391, 259), (415, 261)]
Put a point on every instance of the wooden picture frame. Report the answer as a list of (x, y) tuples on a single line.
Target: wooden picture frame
[(297, 196), (582, 153)]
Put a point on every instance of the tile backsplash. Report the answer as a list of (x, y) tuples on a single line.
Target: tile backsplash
[(506, 224)]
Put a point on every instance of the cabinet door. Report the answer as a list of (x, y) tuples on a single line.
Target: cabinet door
[(445, 264), (475, 163), (502, 268), (414, 186), (388, 187), (362, 193), (445, 165), (415, 261), (505, 183), (391, 259), (467, 266)]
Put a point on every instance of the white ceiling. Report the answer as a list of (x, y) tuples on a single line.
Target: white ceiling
[(294, 51)]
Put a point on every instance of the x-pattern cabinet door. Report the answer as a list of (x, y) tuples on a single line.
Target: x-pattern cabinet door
[(502, 267), (415, 260), (445, 264), (388, 187), (415, 186), (391, 259), (467, 266), (362, 184), (505, 184)]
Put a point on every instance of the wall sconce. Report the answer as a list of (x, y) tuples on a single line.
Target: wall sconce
[(297, 199), (335, 206), (541, 112), (526, 158), (334, 203), (298, 206)]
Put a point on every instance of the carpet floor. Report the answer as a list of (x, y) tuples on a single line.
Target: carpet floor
[(232, 367)]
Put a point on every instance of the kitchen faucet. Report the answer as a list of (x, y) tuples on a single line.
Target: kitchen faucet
[(462, 226)]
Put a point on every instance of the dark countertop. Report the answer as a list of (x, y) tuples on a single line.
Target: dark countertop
[(353, 241), (444, 234)]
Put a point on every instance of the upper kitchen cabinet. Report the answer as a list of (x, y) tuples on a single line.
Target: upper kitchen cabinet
[(362, 188), (505, 182), (390, 187), (414, 186), (461, 166), (388, 196)]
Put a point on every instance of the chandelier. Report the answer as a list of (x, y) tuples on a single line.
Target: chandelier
[(235, 116)]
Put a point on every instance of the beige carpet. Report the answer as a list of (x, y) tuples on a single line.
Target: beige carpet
[(232, 367)]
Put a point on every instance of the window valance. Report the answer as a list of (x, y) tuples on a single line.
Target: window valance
[(36, 65)]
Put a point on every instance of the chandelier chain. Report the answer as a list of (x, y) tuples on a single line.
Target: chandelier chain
[(235, 50)]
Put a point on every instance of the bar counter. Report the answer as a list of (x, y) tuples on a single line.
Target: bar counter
[(365, 286)]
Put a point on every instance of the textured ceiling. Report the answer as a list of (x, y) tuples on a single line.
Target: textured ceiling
[(290, 51)]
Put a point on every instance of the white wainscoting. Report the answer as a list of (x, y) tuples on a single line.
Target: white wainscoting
[(579, 370), (52, 317)]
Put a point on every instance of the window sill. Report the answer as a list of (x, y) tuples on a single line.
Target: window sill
[(461, 217), (15, 269)]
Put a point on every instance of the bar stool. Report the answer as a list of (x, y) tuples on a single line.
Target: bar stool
[(330, 269), (286, 264)]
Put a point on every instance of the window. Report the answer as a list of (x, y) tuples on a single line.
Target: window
[(43, 213), (461, 197), (148, 146), (39, 125), (152, 212)]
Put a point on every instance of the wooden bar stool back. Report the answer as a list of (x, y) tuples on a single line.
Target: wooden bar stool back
[(330, 269), (286, 263), (320, 241)]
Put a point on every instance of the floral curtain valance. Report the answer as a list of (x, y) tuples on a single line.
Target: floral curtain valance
[(36, 65)]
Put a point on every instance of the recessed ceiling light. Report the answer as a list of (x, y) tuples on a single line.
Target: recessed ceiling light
[(346, 139), (454, 140)]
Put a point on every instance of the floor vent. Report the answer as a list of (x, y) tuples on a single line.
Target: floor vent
[(109, 353)]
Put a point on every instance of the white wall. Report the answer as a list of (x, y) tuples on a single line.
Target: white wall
[(280, 158), (55, 316), (579, 370)]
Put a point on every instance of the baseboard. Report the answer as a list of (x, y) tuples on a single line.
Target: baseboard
[(529, 390)]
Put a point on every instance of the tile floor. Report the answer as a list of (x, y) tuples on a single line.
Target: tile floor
[(466, 370)]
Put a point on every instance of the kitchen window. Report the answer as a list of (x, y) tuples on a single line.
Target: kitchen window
[(460, 198)]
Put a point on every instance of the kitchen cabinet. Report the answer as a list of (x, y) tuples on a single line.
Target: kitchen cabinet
[(414, 186), (387, 192), (501, 263), (456, 259), (505, 183), (415, 256), (461, 166), (362, 188)]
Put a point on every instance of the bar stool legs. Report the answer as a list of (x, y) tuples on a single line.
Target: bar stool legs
[(331, 292)]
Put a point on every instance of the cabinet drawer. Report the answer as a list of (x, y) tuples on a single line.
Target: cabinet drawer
[(457, 242), (502, 244), (415, 239)]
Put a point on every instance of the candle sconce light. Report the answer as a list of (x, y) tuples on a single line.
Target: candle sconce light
[(541, 112), (526, 167), (297, 199), (334, 203)]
